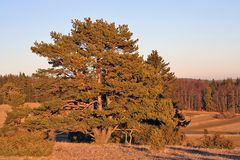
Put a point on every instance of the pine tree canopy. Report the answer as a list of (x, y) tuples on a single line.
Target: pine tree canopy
[(164, 72), (97, 69)]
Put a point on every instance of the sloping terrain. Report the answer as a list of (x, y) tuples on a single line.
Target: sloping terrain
[(228, 127), (208, 120)]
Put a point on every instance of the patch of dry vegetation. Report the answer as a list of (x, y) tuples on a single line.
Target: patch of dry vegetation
[(4, 108), (15, 142), (31, 105), (25, 143), (216, 141), (212, 141), (196, 139), (83, 151)]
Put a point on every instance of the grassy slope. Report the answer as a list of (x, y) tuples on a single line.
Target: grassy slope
[(205, 120)]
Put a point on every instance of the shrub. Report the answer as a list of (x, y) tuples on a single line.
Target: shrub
[(158, 137), (149, 135), (25, 143), (17, 116), (216, 141), (172, 135)]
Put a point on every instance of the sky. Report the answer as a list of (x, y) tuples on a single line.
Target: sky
[(199, 38)]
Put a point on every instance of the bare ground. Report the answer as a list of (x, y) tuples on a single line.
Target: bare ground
[(126, 152), (81, 151)]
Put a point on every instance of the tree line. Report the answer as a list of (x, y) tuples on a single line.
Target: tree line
[(189, 94), (208, 95)]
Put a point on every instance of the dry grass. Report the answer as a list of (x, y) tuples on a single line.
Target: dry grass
[(69, 151), (32, 105), (195, 139), (229, 127), (207, 120), (74, 151), (25, 143)]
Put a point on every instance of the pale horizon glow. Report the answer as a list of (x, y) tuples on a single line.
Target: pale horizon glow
[(200, 39)]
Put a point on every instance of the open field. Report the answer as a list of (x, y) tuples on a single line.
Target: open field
[(229, 128), (82, 151), (195, 139), (207, 120)]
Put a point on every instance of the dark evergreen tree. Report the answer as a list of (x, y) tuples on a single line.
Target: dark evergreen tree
[(164, 72)]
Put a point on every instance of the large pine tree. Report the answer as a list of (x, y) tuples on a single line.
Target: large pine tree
[(97, 70)]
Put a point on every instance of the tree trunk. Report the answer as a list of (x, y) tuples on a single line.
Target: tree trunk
[(108, 101), (99, 96), (102, 136), (99, 102)]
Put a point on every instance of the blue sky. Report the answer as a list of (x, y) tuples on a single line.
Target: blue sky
[(200, 38)]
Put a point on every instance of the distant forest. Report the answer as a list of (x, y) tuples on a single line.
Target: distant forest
[(188, 94), (220, 96)]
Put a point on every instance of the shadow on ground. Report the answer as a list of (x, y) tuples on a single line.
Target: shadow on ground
[(75, 137), (205, 153)]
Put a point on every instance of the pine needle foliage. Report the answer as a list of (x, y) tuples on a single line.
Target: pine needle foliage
[(97, 67)]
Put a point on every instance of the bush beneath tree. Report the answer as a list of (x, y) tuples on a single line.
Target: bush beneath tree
[(216, 141), (25, 143)]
